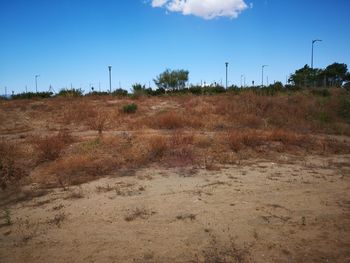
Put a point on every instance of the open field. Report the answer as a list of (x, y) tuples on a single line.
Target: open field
[(224, 178)]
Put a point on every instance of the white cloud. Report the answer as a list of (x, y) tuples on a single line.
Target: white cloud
[(207, 9)]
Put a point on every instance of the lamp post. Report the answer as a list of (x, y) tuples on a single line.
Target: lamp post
[(241, 80), (36, 83), (312, 51), (262, 75), (110, 78), (226, 63)]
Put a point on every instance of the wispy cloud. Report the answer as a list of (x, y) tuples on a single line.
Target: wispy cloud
[(207, 9)]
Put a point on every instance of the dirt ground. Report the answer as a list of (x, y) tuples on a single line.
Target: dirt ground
[(294, 210)]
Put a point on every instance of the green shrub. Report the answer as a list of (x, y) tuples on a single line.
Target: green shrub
[(97, 93), (196, 90), (120, 93), (130, 108), (7, 216), (70, 93), (31, 95)]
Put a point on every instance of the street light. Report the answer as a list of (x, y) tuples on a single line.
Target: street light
[(36, 83), (262, 75), (110, 78), (226, 63), (242, 80), (312, 51)]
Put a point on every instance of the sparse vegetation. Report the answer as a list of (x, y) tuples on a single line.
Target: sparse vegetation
[(170, 131), (7, 216), (49, 148), (138, 212)]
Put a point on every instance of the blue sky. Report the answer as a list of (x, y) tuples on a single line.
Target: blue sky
[(73, 41)]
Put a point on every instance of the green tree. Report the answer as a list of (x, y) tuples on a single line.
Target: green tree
[(333, 75), (172, 79), (336, 73)]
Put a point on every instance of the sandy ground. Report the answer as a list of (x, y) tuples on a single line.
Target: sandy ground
[(258, 211)]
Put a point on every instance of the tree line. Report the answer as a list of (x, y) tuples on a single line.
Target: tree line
[(176, 82)]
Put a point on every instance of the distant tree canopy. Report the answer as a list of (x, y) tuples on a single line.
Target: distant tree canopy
[(333, 75), (172, 79)]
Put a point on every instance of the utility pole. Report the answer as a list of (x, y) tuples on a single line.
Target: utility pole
[(110, 78), (36, 83), (262, 75), (5, 92), (312, 51), (226, 63)]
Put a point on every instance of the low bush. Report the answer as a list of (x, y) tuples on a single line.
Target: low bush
[(32, 95), (97, 93), (70, 92), (120, 93), (130, 108), (99, 122)]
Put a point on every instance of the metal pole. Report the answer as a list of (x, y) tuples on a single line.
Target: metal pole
[(312, 55), (312, 51), (262, 75), (110, 78), (226, 73), (6, 92), (241, 80)]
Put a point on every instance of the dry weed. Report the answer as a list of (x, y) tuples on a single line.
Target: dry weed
[(11, 158), (49, 148), (142, 213), (157, 147)]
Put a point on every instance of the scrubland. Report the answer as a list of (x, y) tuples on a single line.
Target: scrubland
[(222, 178)]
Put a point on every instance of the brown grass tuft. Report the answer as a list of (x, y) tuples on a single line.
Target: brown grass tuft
[(157, 147), (11, 164), (49, 148), (169, 120)]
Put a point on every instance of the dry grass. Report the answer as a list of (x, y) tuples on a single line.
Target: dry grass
[(171, 131), (99, 121), (175, 120), (136, 213), (12, 164), (80, 168), (168, 120), (223, 252), (157, 147), (49, 148)]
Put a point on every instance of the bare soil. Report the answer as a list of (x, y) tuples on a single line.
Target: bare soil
[(294, 210)]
